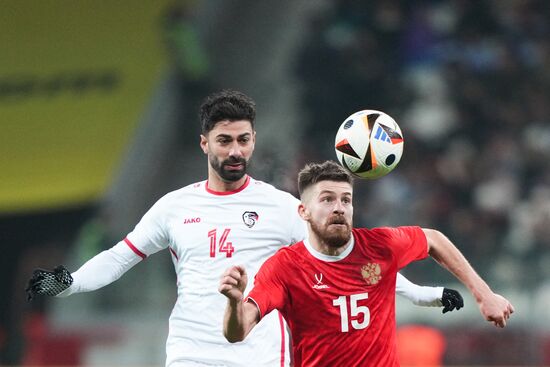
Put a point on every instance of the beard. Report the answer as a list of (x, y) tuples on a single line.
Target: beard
[(333, 236), (228, 175)]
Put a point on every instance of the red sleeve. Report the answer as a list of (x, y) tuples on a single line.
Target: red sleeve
[(269, 292), (407, 243)]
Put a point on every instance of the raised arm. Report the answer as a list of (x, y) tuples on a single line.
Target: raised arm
[(492, 306), (240, 317)]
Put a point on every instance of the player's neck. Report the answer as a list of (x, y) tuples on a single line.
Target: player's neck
[(216, 184), (320, 246)]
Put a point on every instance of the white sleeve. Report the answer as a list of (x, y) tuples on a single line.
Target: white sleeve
[(419, 295), (149, 235), (102, 269)]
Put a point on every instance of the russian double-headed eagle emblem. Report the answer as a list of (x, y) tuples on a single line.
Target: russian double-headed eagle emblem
[(371, 273)]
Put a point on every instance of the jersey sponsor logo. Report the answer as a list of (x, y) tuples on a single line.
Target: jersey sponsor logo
[(250, 218), (319, 280), (371, 272), (191, 220)]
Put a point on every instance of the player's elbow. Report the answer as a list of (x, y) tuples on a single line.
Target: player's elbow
[(237, 325), (234, 332), (233, 337)]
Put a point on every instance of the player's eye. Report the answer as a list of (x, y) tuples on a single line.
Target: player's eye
[(224, 141), (244, 140)]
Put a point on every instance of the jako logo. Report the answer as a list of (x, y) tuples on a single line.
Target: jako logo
[(319, 279), (191, 220)]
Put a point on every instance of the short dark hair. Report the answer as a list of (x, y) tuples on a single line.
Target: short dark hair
[(326, 171), (227, 104)]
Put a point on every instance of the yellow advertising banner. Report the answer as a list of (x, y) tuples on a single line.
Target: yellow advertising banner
[(75, 78)]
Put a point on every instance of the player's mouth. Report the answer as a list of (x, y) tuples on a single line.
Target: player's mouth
[(338, 224), (338, 221), (234, 164), (234, 167)]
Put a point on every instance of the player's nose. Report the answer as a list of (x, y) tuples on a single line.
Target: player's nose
[(235, 150), (338, 206)]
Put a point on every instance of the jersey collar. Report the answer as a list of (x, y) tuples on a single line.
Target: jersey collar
[(223, 193), (328, 258)]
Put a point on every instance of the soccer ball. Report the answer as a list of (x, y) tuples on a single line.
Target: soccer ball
[(369, 144)]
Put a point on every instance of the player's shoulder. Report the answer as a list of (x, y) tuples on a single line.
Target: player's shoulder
[(393, 230), (289, 255), (292, 253), (271, 191), (183, 192), (386, 231)]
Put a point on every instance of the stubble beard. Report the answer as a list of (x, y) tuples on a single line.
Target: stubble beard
[(335, 237), (225, 174)]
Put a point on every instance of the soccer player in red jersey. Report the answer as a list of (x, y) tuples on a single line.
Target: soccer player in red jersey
[(336, 289)]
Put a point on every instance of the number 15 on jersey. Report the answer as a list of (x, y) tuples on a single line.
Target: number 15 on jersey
[(356, 312)]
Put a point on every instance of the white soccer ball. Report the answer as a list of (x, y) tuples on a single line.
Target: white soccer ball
[(369, 144)]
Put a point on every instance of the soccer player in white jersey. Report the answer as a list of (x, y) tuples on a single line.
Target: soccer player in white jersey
[(228, 219)]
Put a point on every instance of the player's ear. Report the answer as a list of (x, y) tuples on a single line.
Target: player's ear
[(204, 144), (303, 212)]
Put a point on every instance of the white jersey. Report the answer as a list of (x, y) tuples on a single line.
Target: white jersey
[(206, 232)]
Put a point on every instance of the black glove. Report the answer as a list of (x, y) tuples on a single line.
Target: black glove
[(451, 299), (49, 283)]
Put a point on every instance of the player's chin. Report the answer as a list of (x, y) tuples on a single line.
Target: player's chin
[(232, 175), (338, 237)]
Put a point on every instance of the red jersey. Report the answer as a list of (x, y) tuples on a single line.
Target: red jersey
[(340, 309)]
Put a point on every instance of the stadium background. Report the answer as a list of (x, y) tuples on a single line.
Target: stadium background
[(98, 119)]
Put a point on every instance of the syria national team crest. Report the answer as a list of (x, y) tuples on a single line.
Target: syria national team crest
[(250, 218), (371, 273)]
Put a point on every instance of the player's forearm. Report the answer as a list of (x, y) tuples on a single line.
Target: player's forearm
[(419, 295), (235, 327), (447, 255), (102, 269)]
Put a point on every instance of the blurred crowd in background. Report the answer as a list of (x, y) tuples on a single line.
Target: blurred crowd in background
[(468, 82)]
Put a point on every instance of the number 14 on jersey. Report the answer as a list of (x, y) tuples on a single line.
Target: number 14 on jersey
[(222, 245)]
